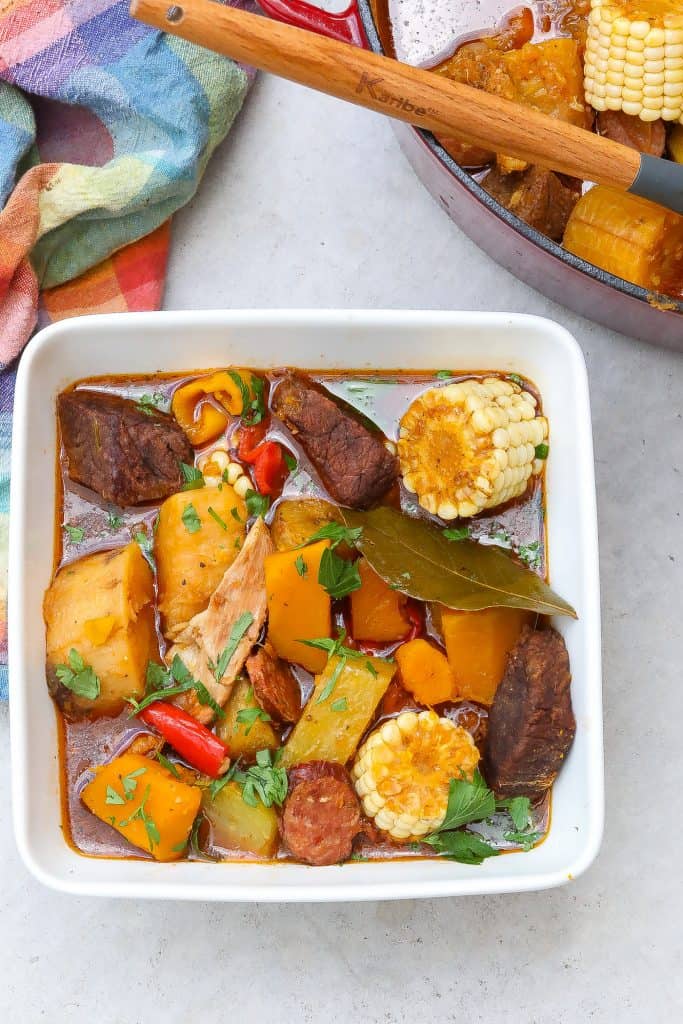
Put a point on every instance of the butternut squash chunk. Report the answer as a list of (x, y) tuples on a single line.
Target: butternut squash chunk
[(237, 826), (145, 803), (191, 559), (337, 715), (102, 607), (243, 729), (425, 672), (376, 609), (477, 644), (298, 607)]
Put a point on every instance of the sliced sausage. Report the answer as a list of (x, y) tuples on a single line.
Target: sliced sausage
[(126, 453), (531, 721), (275, 688), (309, 770), (321, 818), (352, 461)]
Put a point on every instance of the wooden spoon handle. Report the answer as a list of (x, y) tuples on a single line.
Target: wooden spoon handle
[(409, 94)]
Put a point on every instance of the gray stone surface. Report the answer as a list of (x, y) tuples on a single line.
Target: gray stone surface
[(310, 203)]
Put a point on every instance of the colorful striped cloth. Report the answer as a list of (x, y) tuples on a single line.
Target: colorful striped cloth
[(106, 127)]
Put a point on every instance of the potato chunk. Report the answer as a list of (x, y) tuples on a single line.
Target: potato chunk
[(295, 521), (333, 722), (237, 826), (298, 607), (243, 729), (102, 607), (192, 558), (145, 803)]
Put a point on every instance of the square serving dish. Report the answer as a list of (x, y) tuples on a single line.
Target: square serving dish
[(148, 342)]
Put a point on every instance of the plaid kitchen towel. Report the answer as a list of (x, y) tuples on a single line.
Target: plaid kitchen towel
[(106, 127)]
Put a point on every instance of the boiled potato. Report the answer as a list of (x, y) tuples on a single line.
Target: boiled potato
[(236, 825), (298, 607), (333, 723), (295, 522), (244, 738), (101, 606), (145, 803), (191, 559)]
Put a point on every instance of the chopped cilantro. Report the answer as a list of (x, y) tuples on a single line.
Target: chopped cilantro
[(76, 533), (249, 716), (443, 374), (290, 461), (457, 533), (149, 404), (114, 521), (78, 677), (257, 504), (301, 566), (193, 477), (541, 451), (238, 630), (214, 515), (338, 534), (112, 797), (190, 519), (337, 576), (341, 704), (516, 379), (169, 766)]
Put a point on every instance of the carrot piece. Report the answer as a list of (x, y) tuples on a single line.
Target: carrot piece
[(425, 672), (478, 644)]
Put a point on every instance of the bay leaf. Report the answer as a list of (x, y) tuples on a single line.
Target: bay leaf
[(413, 556)]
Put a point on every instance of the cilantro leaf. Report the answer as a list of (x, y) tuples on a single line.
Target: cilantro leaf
[(76, 533), (337, 576), (527, 840), (112, 797), (290, 461), (169, 766), (236, 633), (341, 704), (338, 534), (329, 686), (468, 801), (190, 519), (457, 533), (149, 404), (464, 847), (214, 515), (257, 504), (541, 451), (301, 566), (78, 677), (114, 521), (443, 374), (264, 781), (249, 716), (516, 379), (193, 478), (146, 546)]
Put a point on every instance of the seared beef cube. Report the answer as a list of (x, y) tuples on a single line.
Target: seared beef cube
[(644, 136), (353, 463), (539, 197), (127, 454), (531, 721)]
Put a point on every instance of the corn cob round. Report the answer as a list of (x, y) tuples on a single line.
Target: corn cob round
[(634, 58), (402, 772), (470, 446)]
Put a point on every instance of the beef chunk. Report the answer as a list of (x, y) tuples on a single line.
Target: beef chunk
[(644, 136), (531, 722), (353, 463), (537, 196), (126, 454)]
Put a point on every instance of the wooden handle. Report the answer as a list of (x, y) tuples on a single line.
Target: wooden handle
[(409, 94)]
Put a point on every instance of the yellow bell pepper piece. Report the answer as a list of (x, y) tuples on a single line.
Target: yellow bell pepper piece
[(202, 421)]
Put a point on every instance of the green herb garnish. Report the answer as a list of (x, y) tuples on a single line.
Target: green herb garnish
[(191, 520), (290, 461), (301, 566), (169, 766), (235, 515), (78, 677), (150, 827), (341, 704), (149, 404), (112, 797), (527, 840), (457, 533), (443, 374), (114, 521), (249, 716), (76, 533), (257, 504), (214, 515), (236, 633), (264, 781), (464, 847), (163, 683), (193, 478), (541, 451), (146, 546), (253, 409), (516, 379), (337, 576), (519, 809), (530, 554), (337, 533)]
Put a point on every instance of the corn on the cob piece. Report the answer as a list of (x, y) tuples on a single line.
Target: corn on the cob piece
[(402, 772), (470, 446), (634, 58), (213, 464)]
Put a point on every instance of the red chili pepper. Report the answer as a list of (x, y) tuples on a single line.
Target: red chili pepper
[(270, 469), (194, 742), (249, 439), (412, 611)]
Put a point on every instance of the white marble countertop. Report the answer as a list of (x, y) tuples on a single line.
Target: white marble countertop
[(310, 203)]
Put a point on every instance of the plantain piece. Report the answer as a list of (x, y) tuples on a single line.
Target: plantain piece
[(634, 58), (629, 237), (402, 772), (470, 445)]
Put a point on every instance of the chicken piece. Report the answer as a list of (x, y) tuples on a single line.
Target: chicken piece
[(242, 591)]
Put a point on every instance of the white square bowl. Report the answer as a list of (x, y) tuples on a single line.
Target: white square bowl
[(147, 342)]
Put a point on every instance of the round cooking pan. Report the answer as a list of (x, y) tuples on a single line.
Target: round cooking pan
[(525, 252)]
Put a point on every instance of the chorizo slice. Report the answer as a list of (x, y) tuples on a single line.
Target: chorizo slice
[(531, 721), (321, 817), (275, 688)]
